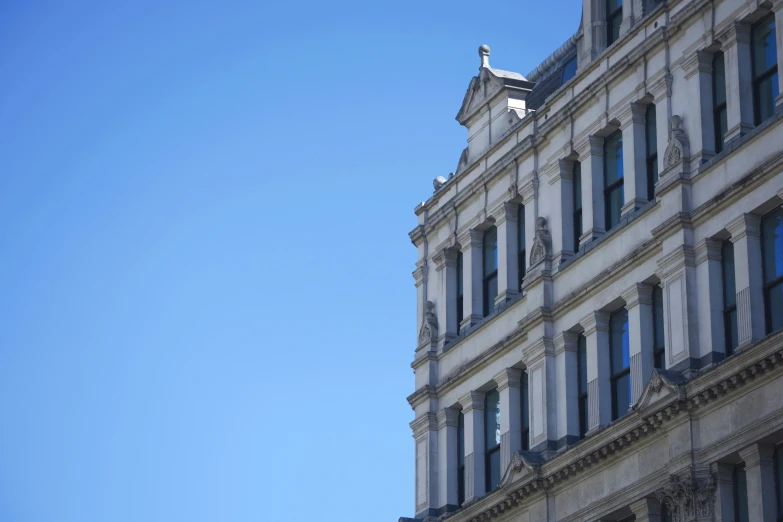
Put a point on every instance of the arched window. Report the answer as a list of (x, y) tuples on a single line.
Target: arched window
[(490, 256)]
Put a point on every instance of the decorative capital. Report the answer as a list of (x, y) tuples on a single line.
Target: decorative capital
[(473, 400), (566, 168), (510, 377), (595, 321), (707, 250), (757, 453), (637, 294), (425, 423), (596, 145), (746, 224), (735, 33), (688, 498), (698, 62), (448, 417), (565, 342)]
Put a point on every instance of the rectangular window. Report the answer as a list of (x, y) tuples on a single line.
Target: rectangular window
[(521, 244), (772, 268), (659, 342), (740, 484), (613, 179), (614, 17), (460, 289), (729, 296), (719, 99), (525, 407), (651, 143), (777, 460), (490, 255), (569, 70), (764, 62), (492, 439), (581, 368), (460, 459), (619, 357), (577, 204)]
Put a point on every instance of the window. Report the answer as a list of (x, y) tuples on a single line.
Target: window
[(581, 388), (665, 515), (577, 204), (619, 358), (460, 459), (490, 254), (729, 296), (777, 460), (492, 439), (719, 99), (765, 68), (521, 243), (569, 70), (525, 407), (613, 179), (740, 494), (614, 16), (659, 343), (651, 143), (772, 268), (460, 290)]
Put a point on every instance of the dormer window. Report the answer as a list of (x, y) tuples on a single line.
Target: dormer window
[(614, 16), (569, 70)]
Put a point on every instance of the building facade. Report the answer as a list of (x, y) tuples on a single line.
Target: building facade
[(600, 295)]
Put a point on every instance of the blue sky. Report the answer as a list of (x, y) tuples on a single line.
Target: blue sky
[(207, 306)]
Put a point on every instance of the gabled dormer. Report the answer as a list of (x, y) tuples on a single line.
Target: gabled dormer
[(494, 101)]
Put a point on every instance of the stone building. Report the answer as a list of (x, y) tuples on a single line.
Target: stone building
[(600, 346)]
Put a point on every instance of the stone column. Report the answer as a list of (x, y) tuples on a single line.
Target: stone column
[(778, 10), (646, 510), (508, 248), (565, 243), (446, 304), (701, 125), (634, 157), (542, 394), (760, 473), (473, 411), (599, 395), (677, 271), (448, 419), (592, 159), (509, 381), (638, 303), (709, 279), (746, 235), (471, 242), (661, 90), (724, 491), (739, 83), (567, 387), (632, 11), (594, 29), (426, 436)]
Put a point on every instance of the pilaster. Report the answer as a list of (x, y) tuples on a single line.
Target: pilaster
[(446, 267), (473, 412), (542, 395), (746, 235), (592, 160), (739, 87), (447, 420), (760, 473), (508, 238), (724, 491), (425, 435), (568, 392), (634, 156), (508, 382), (471, 242), (564, 242), (599, 398), (701, 125), (638, 303), (677, 271)]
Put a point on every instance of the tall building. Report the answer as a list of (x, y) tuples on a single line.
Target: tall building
[(600, 282)]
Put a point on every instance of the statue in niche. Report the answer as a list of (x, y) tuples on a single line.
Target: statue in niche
[(541, 243), (429, 327)]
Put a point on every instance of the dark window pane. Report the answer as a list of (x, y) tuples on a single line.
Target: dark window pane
[(493, 470), (521, 228), (772, 245), (731, 331), (665, 515), (621, 395), (614, 206), (618, 331), (723, 127), (740, 495), (718, 79), (727, 267), (582, 415), (577, 186), (775, 301), (767, 91), (490, 293), (459, 274), (650, 133), (461, 439), (569, 70), (490, 251), (525, 407), (613, 158), (492, 419), (613, 5), (581, 361), (659, 342), (763, 46)]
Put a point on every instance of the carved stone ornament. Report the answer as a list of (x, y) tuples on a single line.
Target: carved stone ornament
[(429, 327), (679, 147), (689, 498), (541, 243)]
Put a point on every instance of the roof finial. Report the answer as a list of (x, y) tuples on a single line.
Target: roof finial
[(484, 53)]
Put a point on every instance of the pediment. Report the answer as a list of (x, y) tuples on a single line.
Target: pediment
[(481, 89), (662, 385), (523, 464)]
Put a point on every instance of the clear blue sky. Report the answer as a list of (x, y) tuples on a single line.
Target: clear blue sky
[(207, 307)]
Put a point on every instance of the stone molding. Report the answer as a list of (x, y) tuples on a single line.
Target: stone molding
[(565, 342), (596, 145), (425, 423), (473, 400), (688, 498), (735, 33), (448, 417), (707, 250), (595, 321), (746, 224), (698, 62), (757, 453), (510, 377), (639, 293)]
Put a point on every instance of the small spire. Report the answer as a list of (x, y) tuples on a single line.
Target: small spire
[(484, 53)]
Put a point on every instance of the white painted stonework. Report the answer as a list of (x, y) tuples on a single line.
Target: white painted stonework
[(705, 411)]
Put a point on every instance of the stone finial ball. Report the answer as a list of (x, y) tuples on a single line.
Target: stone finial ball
[(484, 49), (438, 182)]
